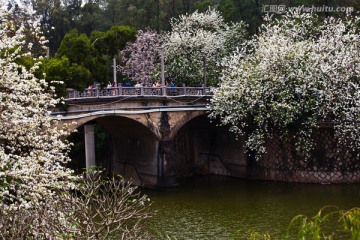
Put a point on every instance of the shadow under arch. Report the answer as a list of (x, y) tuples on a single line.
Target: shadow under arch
[(131, 148), (202, 147), (186, 120), (77, 151)]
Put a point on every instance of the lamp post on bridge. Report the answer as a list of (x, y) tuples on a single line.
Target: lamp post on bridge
[(163, 72), (114, 71), (204, 69)]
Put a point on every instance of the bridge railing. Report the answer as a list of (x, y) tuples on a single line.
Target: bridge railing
[(138, 91)]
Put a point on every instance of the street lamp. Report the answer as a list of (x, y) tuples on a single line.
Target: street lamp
[(114, 71), (162, 71)]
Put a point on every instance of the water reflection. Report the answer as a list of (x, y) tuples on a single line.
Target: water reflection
[(215, 207)]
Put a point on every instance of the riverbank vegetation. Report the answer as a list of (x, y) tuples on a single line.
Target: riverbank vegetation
[(329, 223)]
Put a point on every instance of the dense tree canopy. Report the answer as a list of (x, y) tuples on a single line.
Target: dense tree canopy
[(192, 49), (294, 74), (56, 19), (60, 16), (111, 41), (196, 43), (81, 60), (74, 62), (101, 21)]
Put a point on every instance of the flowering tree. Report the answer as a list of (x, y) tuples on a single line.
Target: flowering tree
[(32, 154), (141, 58), (196, 38), (293, 75), (38, 194)]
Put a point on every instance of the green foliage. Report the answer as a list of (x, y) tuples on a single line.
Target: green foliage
[(61, 73), (75, 60), (229, 10), (328, 223), (57, 70), (91, 17), (26, 61), (59, 17), (185, 71), (56, 19), (76, 47), (312, 228), (203, 5), (80, 60), (113, 40), (107, 44), (242, 10), (351, 222)]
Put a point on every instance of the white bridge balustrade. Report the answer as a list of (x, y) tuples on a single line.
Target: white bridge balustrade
[(138, 91)]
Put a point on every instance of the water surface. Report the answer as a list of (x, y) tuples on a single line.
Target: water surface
[(215, 207)]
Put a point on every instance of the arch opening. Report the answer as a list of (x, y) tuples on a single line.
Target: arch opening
[(123, 146), (202, 148), (77, 152)]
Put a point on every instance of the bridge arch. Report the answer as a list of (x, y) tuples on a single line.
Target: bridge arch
[(132, 149), (185, 120), (203, 147), (74, 122)]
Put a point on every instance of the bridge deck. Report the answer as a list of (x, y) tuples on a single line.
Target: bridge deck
[(138, 91)]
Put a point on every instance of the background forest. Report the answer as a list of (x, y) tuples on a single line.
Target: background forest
[(84, 35)]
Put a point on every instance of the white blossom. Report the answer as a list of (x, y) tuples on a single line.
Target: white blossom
[(296, 73), (32, 154), (195, 37)]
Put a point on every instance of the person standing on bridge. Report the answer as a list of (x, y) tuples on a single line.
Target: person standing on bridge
[(114, 89), (172, 88), (200, 85), (90, 90)]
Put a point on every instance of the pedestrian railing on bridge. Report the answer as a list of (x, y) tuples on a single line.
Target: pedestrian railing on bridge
[(138, 91)]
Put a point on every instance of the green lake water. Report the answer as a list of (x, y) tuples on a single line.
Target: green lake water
[(215, 207)]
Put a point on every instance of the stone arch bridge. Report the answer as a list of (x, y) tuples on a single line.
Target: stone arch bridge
[(158, 136), (155, 139)]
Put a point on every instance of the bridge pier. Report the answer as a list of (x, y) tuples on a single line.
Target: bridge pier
[(166, 164), (89, 145)]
